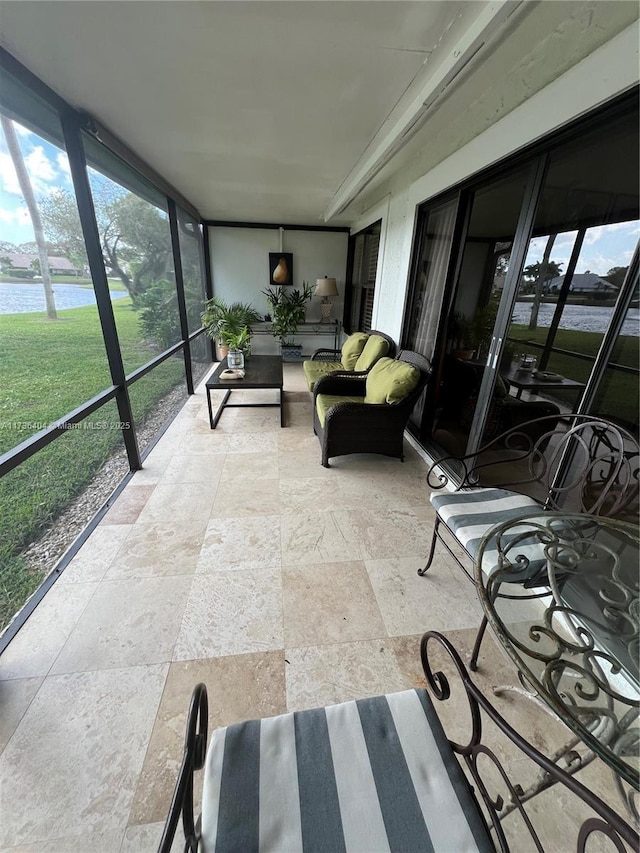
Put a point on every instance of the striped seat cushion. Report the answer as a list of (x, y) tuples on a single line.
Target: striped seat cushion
[(471, 513), (370, 775)]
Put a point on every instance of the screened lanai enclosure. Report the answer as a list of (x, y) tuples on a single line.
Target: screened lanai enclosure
[(489, 192), (98, 352)]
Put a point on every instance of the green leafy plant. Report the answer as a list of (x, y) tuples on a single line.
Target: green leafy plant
[(158, 314), (289, 309), (238, 340), (222, 321), (472, 333)]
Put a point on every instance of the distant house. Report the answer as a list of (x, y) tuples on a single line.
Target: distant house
[(57, 265), (18, 261), (62, 266), (584, 282)]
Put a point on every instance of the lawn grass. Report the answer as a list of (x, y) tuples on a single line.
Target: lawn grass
[(47, 369), (50, 367)]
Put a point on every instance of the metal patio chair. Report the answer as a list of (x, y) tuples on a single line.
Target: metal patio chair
[(519, 472), (372, 774)]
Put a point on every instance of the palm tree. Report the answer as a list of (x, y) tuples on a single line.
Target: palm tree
[(30, 200), (541, 272)]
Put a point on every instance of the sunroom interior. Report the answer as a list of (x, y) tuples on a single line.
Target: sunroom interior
[(467, 172)]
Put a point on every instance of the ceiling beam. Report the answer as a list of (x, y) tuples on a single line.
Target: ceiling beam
[(412, 109)]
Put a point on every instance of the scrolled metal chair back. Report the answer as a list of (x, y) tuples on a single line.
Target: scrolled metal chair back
[(604, 822), (596, 462), (581, 463)]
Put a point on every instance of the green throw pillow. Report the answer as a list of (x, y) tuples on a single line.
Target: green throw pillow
[(352, 348), (390, 381), (373, 350)]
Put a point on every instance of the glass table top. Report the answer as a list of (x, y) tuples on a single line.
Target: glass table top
[(573, 634)]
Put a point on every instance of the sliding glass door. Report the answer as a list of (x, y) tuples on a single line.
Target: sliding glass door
[(470, 313), (585, 232), (436, 230), (517, 283)]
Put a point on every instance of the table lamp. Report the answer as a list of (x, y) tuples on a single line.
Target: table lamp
[(325, 287)]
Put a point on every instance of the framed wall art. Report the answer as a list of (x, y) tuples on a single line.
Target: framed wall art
[(280, 268)]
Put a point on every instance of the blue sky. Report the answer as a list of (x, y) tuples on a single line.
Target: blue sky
[(48, 169), (605, 246)]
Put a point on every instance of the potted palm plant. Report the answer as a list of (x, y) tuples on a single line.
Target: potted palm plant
[(288, 309), (221, 321), (238, 344)]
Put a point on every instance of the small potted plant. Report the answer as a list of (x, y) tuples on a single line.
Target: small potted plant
[(221, 320), (238, 344), (289, 309), (462, 335)]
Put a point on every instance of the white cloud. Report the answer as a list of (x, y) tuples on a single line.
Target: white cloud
[(601, 264), (8, 178), (565, 241), (41, 170), (62, 162), (599, 231), (39, 167), (19, 216)]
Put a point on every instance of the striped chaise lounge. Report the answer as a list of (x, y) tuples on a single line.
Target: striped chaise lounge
[(365, 776)]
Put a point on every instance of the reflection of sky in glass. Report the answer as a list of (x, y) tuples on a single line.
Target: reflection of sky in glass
[(604, 247)]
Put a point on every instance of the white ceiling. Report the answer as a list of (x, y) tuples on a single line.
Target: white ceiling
[(255, 111), (303, 111)]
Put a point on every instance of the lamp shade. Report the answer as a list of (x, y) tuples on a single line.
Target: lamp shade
[(326, 287)]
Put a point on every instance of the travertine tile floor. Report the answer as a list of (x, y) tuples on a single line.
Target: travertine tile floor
[(235, 559)]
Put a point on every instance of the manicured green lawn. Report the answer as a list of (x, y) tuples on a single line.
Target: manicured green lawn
[(47, 369)]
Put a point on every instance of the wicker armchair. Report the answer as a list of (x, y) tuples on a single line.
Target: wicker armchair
[(334, 354), (359, 427), (325, 361)]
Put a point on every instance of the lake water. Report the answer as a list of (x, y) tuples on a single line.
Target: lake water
[(585, 318), (28, 298)]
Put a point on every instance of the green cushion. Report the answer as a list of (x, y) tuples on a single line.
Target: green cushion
[(352, 348), (314, 370), (374, 349), (390, 381), (325, 401)]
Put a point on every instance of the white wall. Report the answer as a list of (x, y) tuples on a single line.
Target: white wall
[(607, 72), (240, 269)]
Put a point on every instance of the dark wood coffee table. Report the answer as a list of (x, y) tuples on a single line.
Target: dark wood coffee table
[(260, 371)]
